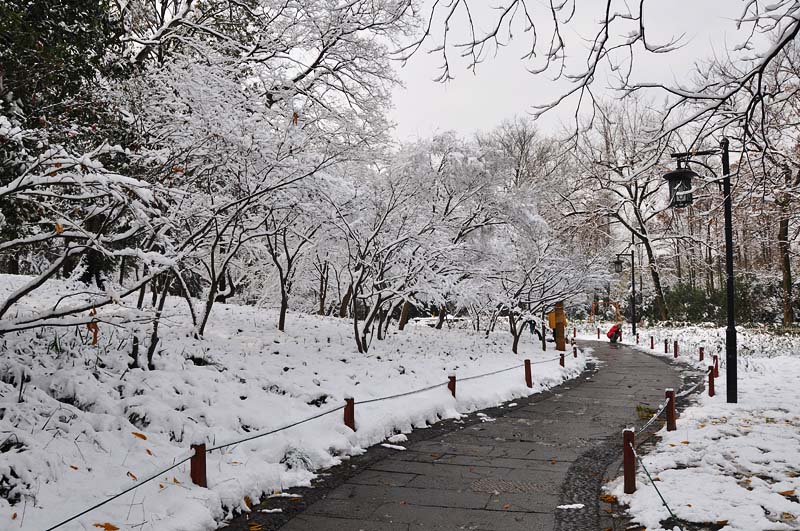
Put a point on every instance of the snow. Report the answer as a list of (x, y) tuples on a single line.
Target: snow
[(88, 427), (571, 506), (734, 465)]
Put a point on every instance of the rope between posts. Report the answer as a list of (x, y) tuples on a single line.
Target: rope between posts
[(649, 477), (545, 361), (112, 498), (654, 417), (258, 435), (691, 390), (401, 394), (491, 373)]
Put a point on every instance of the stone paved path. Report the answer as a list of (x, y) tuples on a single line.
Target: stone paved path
[(507, 475)]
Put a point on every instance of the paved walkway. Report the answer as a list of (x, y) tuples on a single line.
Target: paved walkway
[(510, 474)]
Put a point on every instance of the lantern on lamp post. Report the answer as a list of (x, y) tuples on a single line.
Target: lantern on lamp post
[(618, 265), (680, 196), (680, 186)]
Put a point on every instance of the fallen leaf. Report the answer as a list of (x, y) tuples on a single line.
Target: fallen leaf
[(148, 451), (253, 526), (73, 467), (175, 480), (788, 516), (142, 436), (59, 228), (132, 476), (248, 502), (506, 506), (107, 527), (608, 498), (787, 492), (14, 516), (553, 461), (684, 442), (722, 522), (160, 486)]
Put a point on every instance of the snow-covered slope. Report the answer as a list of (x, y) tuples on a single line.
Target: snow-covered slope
[(88, 427)]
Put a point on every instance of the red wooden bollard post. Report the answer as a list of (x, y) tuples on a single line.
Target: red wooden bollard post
[(561, 360), (637, 339), (629, 461), (675, 348), (710, 380), (574, 331), (197, 466), (716, 366), (528, 374), (451, 384), (598, 332), (670, 395), (350, 413), (652, 343), (702, 353), (666, 347), (574, 352)]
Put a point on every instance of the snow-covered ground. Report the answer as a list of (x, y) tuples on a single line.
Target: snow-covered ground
[(735, 467), (87, 427)]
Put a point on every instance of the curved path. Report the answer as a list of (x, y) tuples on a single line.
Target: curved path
[(509, 474)]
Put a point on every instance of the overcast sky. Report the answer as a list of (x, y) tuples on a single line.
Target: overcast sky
[(503, 88)]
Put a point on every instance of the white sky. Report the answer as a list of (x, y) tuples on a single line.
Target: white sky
[(503, 88)]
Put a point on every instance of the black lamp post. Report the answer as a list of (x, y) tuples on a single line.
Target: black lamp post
[(618, 263), (680, 195)]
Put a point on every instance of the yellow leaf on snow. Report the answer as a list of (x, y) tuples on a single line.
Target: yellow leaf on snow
[(788, 516), (175, 480), (248, 502), (132, 476), (142, 436), (684, 442), (73, 467), (787, 492), (14, 516), (608, 498), (148, 451), (107, 527)]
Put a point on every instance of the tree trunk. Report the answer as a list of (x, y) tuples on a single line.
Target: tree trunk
[(784, 251), (442, 315), (323, 288), (284, 307), (346, 302), (404, 315), (661, 305)]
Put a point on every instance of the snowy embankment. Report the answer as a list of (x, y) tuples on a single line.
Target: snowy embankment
[(87, 427), (733, 467)]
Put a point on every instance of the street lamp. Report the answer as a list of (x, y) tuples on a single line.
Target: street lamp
[(680, 195), (618, 263)]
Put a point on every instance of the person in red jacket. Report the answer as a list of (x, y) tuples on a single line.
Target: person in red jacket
[(614, 333)]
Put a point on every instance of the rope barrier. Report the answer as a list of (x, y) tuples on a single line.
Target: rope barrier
[(653, 418), (112, 498), (371, 400), (649, 477), (490, 373), (689, 391), (258, 435)]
